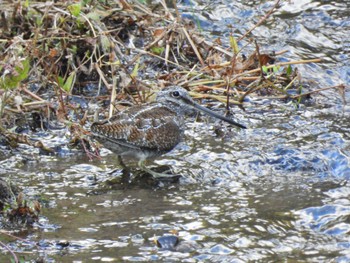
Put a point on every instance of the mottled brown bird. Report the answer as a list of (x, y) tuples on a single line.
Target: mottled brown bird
[(148, 131)]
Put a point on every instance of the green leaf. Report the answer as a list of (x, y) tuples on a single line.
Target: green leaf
[(157, 50), (19, 74), (265, 69), (136, 69), (74, 49), (60, 81), (69, 83), (234, 45), (75, 9), (26, 4), (105, 43), (38, 21), (289, 70), (276, 69)]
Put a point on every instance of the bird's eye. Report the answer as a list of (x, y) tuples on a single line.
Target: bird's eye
[(175, 94)]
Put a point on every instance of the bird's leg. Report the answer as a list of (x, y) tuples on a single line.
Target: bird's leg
[(141, 164), (121, 164)]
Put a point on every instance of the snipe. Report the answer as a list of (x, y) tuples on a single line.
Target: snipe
[(148, 131)]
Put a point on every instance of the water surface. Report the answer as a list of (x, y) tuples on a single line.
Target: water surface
[(279, 190)]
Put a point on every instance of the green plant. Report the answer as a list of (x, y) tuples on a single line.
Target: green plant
[(14, 74), (68, 84)]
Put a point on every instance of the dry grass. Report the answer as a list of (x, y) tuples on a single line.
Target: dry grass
[(51, 51)]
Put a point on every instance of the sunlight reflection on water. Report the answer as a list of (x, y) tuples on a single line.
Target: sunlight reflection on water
[(274, 192)]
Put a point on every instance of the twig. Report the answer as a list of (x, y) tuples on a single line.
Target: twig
[(100, 73), (167, 49), (156, 56), (32, 94), (259, 59), (340, 86), (9, 250), (193, 46), (166, 9), (261, 20), (113, 97), (178, 16)]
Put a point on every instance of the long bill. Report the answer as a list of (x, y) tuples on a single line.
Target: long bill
[(218, 116)]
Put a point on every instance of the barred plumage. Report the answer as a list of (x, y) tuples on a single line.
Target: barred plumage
[(150, 130)]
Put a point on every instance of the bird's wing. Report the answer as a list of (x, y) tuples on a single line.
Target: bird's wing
[(141, 127)]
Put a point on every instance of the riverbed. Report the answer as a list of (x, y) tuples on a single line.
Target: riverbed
[(276, 191)]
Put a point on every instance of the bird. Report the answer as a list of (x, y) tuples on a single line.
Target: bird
[(150, 130)]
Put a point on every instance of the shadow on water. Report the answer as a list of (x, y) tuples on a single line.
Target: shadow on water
[(276, 191)]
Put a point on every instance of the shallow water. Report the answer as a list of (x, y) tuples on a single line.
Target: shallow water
[(277, 191)]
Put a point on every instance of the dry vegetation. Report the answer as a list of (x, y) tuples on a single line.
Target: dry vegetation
[(57, 57)]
